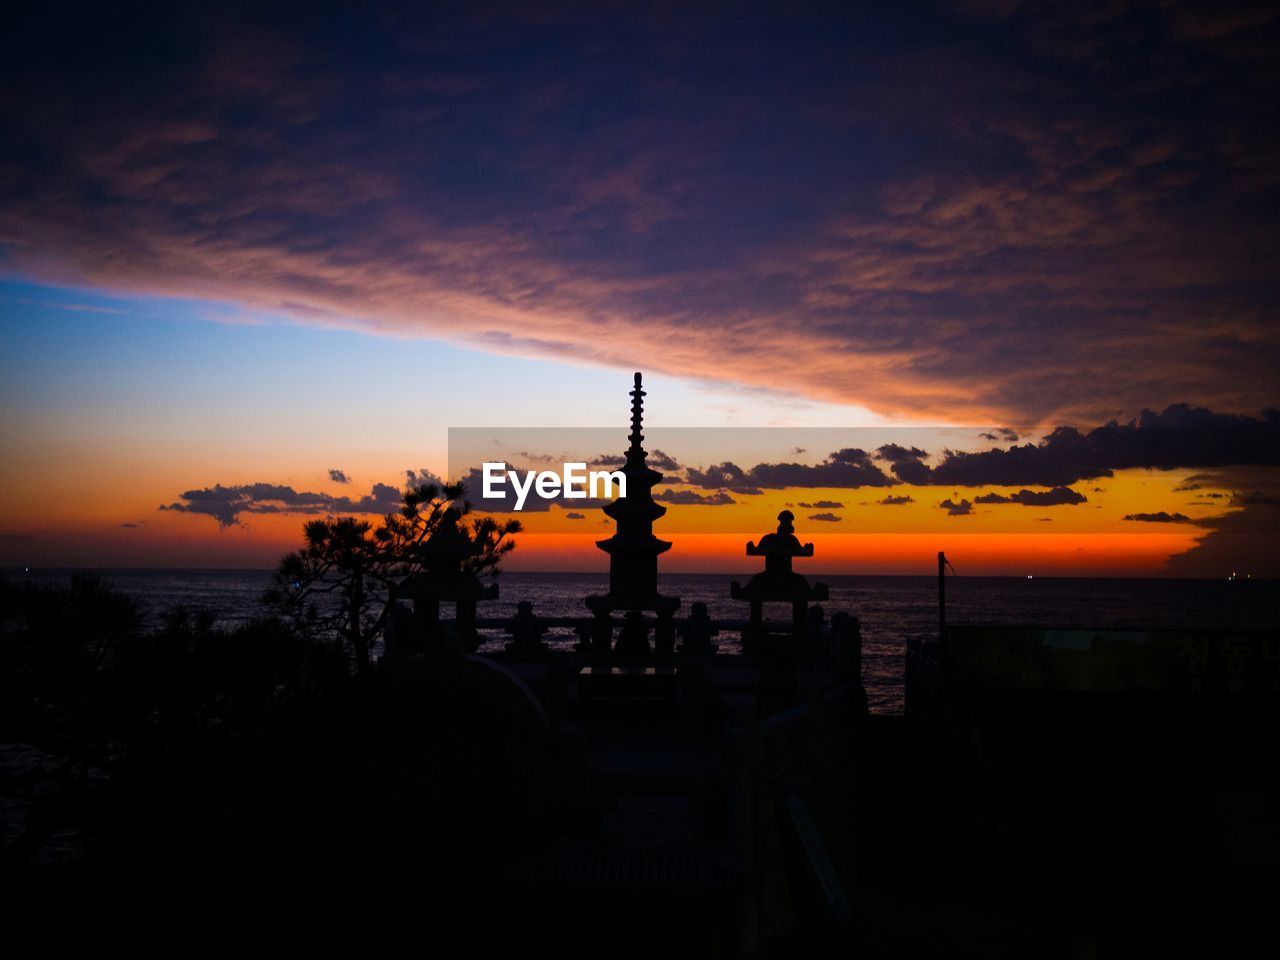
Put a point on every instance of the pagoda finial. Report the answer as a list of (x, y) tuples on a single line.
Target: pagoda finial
[(637, 415), (785, 525)]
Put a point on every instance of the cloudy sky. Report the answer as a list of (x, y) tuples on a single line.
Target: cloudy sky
[(240, 253)]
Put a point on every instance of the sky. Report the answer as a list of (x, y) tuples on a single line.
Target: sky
[(242, 256)]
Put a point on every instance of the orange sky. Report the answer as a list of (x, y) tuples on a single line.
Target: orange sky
[(65, 527)]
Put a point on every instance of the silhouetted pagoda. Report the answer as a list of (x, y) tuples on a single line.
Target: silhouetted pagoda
[(778, 583), (633, 549)]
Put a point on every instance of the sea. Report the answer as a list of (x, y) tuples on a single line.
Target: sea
[(893, 610)]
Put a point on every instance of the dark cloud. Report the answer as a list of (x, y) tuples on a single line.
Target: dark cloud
[(425, 478), (727, 475), (907, 462), (337, 476), (1161, 517), (16, 537), (892, 501), (823, 505), (662, 461), (896, 453), (1001, 434), (1255, 499), (226, 504), (691, 497), (656, 459), (850, 455), (1058, 496), (825, 517), (846, 469), (129, 525), (1180, 436), (931, 191), (956, 509), (1240, 543)]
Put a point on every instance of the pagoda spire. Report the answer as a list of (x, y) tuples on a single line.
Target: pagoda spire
[(637, 419), (633, 549)]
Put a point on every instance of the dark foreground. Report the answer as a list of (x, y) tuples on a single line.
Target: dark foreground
[(236, 786)]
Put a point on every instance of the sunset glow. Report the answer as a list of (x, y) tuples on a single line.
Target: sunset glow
[(226, 273)]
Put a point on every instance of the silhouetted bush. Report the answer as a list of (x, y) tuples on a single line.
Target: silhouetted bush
[(342, 583)]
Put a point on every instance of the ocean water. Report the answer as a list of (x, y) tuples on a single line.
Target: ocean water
[(893, 610)]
